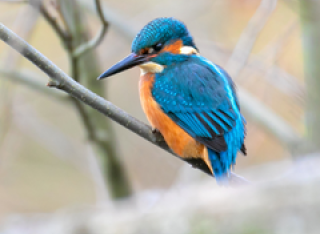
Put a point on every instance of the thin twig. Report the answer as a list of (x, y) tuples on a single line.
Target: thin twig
[(98, 38), (75, 89), (54, 23)]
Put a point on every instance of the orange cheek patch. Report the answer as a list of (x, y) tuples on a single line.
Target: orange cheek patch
[(143, 51), (173, 48)]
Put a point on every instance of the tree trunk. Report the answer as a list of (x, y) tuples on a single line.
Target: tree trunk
[(310, 24)]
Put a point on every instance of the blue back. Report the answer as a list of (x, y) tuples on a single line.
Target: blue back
[(200, 97)]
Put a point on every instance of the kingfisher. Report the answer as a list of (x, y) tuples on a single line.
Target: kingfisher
[(191, 101)]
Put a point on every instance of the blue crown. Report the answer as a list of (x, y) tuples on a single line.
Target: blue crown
[(161, 30)]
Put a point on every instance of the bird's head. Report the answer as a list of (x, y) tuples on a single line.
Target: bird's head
[(160, 43)]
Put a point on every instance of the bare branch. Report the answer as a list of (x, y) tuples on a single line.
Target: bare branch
[(98, 38), (67, 84), (54, 23), (70, 86)]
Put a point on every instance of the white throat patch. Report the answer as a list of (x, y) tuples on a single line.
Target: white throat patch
[(150, 67), (188, 50)]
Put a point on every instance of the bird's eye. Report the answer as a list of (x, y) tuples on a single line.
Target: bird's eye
[(157, 47), (154, 49)]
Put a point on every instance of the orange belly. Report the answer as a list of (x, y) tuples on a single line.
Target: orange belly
[(176, 138)]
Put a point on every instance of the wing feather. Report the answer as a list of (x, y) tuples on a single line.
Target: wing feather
[(194, 95)]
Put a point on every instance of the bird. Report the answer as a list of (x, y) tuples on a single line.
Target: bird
[(190, 100)]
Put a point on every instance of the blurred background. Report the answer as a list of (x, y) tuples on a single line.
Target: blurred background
[(65, 168)]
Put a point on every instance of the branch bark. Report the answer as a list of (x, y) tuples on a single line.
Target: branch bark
[(66, 83)]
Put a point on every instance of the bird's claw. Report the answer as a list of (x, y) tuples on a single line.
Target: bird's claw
[(157, 133)]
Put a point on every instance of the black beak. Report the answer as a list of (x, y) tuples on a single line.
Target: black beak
[(127, 63)]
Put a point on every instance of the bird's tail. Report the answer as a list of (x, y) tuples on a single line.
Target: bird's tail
[(220, 166)]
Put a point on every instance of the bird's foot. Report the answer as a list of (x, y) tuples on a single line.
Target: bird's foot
[(157, 133)]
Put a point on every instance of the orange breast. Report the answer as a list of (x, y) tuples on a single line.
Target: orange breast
[(177, 139)]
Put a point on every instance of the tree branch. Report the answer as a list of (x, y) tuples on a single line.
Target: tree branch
[(66, 83), (98, 38), (54, 24)]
